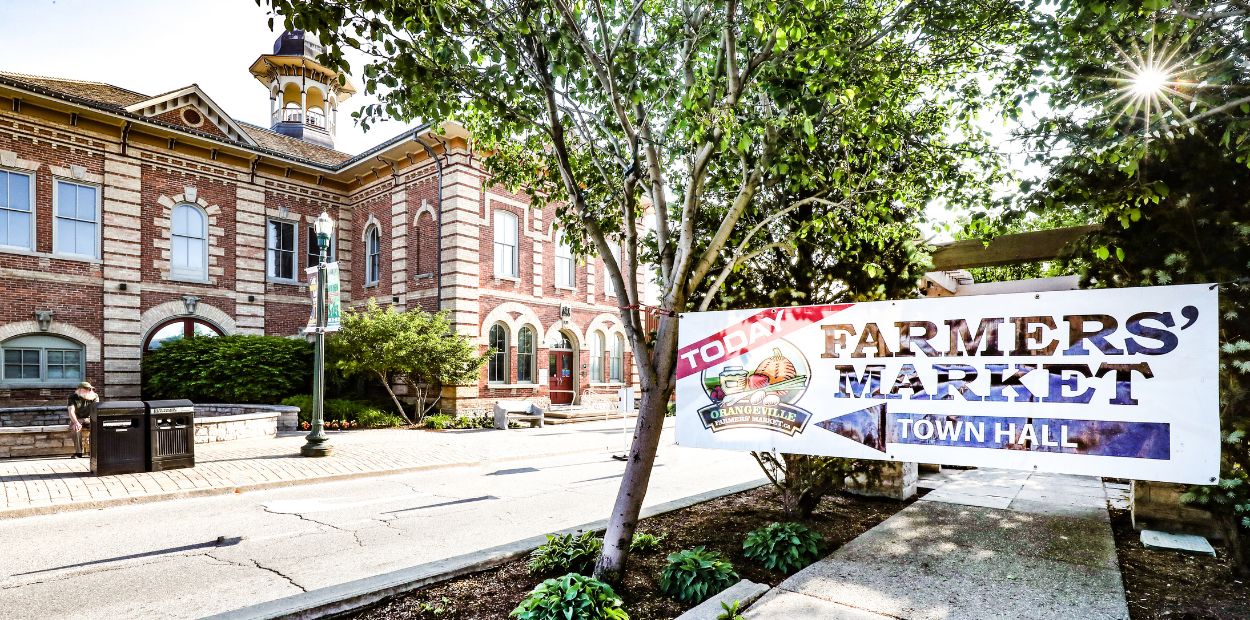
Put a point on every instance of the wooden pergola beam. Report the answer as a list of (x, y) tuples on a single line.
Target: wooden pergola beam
[(1007, 249)]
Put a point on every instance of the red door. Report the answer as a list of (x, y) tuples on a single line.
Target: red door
[(560, 382)]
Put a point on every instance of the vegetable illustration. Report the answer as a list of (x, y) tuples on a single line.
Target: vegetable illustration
[(777, 368)]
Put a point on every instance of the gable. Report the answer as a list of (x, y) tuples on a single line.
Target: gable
[(213, 119), (192, 117)]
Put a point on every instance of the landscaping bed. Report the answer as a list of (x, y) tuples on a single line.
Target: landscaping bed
[(1162, 584), (720, 525)]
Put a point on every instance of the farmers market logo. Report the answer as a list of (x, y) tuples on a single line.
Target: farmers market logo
[(757, 390)]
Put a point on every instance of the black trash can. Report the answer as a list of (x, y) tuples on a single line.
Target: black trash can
[(119, 438), (172, 426)]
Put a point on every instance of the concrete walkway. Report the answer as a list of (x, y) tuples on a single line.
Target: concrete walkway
[(982, 544), (44, 486)]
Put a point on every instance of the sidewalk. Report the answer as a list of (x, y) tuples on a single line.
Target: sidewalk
[(983, 544), (42, 486)]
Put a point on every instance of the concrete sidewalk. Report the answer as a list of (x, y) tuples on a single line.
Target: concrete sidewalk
[(43, 486), (983, 544)]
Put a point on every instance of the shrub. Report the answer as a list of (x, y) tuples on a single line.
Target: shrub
[(571, 596), (730, 611), (438, 422), (782, 547), (693, 575), (229, 369), (645, 543), (566, 553), (444, 421), (671, 412), (376, 418)]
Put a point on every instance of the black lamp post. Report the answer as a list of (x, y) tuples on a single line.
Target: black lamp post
[(318, 442)]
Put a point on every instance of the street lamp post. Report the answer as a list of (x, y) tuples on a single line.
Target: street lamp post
[(318, 442)]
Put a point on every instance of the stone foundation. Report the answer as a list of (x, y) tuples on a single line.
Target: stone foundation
[(1157, 506), (232, 427), (36, 441), (897, 481)]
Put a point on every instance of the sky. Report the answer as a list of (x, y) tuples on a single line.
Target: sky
[(155, 46)]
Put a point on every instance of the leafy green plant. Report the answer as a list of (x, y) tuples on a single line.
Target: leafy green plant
[(782, 547), (645, 543), (438, 422), (692, 575), (570, 597), (730, 611), (566, 552), (671, 412), (228, 369), (376, 418)]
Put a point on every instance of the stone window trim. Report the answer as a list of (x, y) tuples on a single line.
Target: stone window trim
[(44, 359), (162, 313), (270, 264), (31, 201), (563, 253), (373, 248), (189, 275), (99, 211), (509, 268), (91, 345), (213, 238)]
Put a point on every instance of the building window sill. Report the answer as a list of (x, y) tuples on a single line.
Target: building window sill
[(273, 280), (571, 289), (515, 279), (607, 385), (190, 279), (35, 385), (512, 386)]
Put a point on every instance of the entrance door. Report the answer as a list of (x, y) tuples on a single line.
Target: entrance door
[(560, 382)]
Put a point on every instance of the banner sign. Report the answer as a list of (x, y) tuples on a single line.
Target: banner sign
[(1110, 382), (334, 307)]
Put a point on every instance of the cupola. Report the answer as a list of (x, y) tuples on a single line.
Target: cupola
[(304, 95)]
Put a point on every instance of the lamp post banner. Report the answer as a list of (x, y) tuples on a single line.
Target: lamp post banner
[(334, 306), (1108, 382)]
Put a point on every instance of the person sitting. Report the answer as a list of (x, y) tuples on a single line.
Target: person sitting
[(81, 405)]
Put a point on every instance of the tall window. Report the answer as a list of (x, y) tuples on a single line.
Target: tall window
[(373, 256), (565, 274), (17, 215), (597, 349), (281, 250), (41, 360), (314, 252), (525, 356), (189, 244), (609, 285), (77, 230), (497, 365), (618, 359), (506, 244)]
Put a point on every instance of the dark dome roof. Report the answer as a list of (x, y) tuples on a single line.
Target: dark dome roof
[(293, 43)]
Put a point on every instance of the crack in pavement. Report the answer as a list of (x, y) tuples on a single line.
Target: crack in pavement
[(256, 564)]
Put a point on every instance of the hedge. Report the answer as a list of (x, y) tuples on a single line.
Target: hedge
[(229, 369)]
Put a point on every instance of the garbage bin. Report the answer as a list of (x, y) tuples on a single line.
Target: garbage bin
[(119, 438), (172, 425)]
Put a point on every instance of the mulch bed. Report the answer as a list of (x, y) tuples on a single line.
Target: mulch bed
[(720, 525), (1172, 585)]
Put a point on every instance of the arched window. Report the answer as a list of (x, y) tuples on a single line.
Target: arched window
[(497, 366), (373, 256), (177, 329), (525, 356), (618, 359), (566, 276), (598, 348), (507, 242), (188, 244), (41, 360)]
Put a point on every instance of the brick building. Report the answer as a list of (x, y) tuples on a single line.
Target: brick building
[(127, 219)]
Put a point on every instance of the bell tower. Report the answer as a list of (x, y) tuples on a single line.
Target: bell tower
[(304, 95)]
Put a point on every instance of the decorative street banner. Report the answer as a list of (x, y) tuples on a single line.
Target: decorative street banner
[(1110, 382), (333, 293)]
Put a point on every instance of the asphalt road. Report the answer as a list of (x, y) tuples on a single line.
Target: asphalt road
[(195, 557)]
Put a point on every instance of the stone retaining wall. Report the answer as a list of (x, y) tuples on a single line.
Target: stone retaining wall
[(232, 427), (1157, 506), (35, 441)]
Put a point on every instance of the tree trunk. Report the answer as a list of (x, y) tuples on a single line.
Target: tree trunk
[(1235, 541), (624, 518), (395, 399)]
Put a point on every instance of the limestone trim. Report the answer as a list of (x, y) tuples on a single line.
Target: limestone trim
[(503, 314), (424, 209), (609, 324), (570, 326), (176, 309), (91, 344)]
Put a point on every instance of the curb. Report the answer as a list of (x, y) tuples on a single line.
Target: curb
[(32, 511), (339, 600)]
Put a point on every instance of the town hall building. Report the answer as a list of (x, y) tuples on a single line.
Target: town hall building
[(127, 219)]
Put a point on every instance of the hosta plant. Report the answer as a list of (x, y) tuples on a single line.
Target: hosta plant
[(692, 575), (782, 547), (564, 553), (645, 543), (571, 596)]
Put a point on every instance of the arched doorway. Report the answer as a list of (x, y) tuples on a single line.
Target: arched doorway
[(562, 371), (182, 327)]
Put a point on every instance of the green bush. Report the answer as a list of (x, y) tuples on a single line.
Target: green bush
[(645, 543), (376, 418), (671, 412), (438, 422), (443, 421), (730, 611), (566, 553), (571, 597), (692, 575), (229, 369), (782, 547)]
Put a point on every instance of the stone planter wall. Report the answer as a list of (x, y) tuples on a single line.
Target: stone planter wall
[(1157, 506), (897, 481)]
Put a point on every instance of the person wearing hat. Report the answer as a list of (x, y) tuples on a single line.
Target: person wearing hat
[(81, 405)]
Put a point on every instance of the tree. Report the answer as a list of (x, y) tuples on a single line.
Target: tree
[(654, 125), (1164, 171), (416, 345)]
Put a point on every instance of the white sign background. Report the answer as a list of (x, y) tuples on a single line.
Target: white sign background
[(1182, 391)]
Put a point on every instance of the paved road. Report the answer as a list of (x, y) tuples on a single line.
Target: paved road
[(197, 556)]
